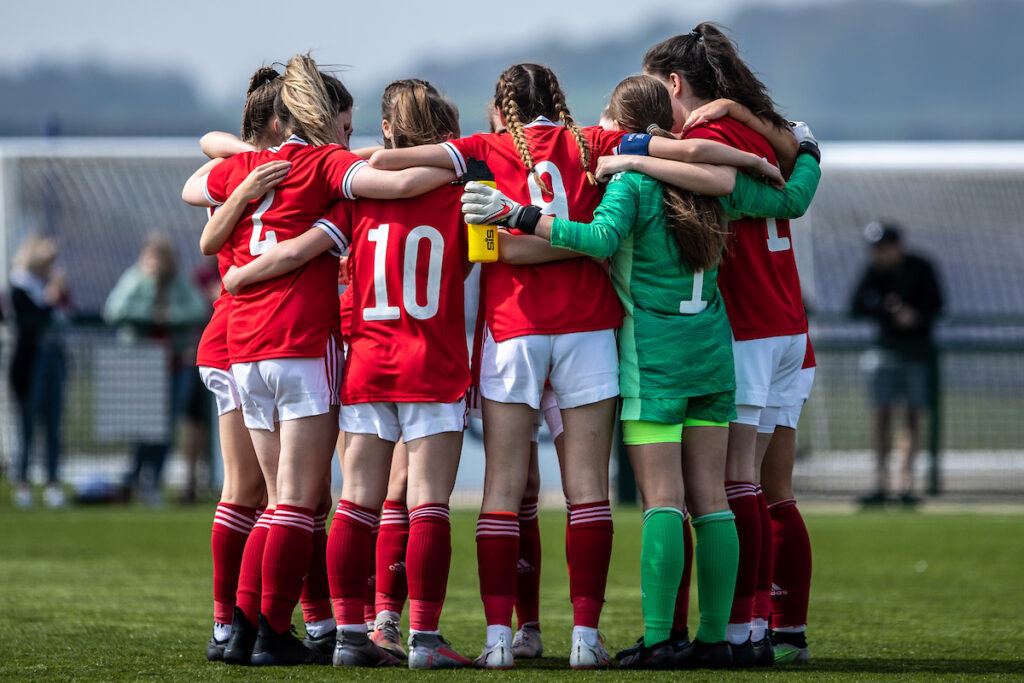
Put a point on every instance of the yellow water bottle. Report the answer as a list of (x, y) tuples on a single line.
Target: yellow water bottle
[(482, 239)]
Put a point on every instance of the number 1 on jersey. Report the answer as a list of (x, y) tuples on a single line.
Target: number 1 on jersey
[(381, 310), (694, 304), (776, 243)]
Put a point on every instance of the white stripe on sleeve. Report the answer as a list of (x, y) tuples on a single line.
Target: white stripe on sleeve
[(206, 191), (346, 183), (335, 234), (457, 159)]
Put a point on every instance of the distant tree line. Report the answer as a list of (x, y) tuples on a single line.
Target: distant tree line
[(864, 69)]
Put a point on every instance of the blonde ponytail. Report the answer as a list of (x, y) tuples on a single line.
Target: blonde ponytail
[(310, 101)]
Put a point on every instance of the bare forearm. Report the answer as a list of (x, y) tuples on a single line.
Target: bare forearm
[(194, 191), (702, 152), (373, 183), (781, 140), (279, 259), (424, 155), (716, 181), (531, 249), (218, 229), (217, 144)]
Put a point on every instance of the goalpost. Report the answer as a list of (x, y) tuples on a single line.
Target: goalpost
[(962, 204)]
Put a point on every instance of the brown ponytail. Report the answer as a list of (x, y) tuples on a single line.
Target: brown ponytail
[(641, 104), (310, 101), (418, 114), (258, 111), (709, 61)]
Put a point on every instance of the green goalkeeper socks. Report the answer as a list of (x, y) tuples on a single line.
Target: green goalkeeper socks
[(717, 553), (661, 567)]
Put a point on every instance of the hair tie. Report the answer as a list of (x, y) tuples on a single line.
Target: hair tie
[(696, 35), (652, 128)]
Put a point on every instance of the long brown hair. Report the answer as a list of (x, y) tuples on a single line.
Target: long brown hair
[(709, 61), (310, 101), (258, 111), (527, 91), (418, 114), (641, 104)]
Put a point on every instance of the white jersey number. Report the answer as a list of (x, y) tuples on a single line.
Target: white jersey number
[(258, 241), (694, 304), (776, 243), (381, 310), (559, 204)]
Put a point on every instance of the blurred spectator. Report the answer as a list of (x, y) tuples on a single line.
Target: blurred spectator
[(40, 300), (901, 292), (153, 301), (197, 411)]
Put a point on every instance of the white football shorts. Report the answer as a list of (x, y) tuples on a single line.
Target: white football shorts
[(789, 416), (221, 384), (288, 388), (392, 420), (582, 367), (767, 370)]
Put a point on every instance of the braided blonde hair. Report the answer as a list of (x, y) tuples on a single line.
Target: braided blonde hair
[(527, 91), (558, 100), (507, 104), (310, 101)]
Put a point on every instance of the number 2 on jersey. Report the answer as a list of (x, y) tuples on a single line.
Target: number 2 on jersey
[(258, 243), (381, 309)]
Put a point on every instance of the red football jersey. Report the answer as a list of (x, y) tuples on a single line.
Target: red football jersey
[(809, 359), (213, 345), (345, 305), (406, 266), (757, 275), (212, 351), (574, 295), (290, 316)]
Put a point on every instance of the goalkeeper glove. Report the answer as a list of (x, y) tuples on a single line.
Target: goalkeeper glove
[(804, 136), (484, 205)]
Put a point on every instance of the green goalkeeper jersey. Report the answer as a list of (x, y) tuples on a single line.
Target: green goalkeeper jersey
[(675, 340)]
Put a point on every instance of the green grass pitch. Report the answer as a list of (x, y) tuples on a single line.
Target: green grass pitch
[(124, 593)]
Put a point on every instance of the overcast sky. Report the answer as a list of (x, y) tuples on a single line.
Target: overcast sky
[(221, 42)]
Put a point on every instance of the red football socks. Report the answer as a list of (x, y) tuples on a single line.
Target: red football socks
[(316, 594), (590, 550), (349, 552), (497, 552), (763, 592), (528, 570), (231, 526), (743, 502), (428, 560), (392, 587), (250, 572), (285, 562), (792, 577)]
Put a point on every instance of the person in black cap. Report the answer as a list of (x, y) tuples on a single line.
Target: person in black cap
[(900, 291)]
